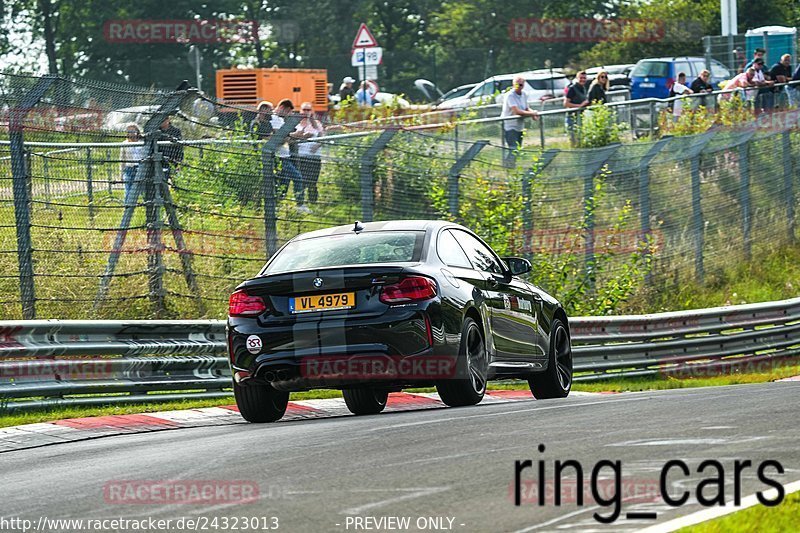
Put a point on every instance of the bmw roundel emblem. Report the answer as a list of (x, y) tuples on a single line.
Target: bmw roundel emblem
[(318, 282)]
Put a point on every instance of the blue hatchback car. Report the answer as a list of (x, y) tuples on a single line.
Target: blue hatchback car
[(654, 77)]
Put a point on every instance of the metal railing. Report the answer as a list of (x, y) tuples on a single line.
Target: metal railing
[(82, 362)]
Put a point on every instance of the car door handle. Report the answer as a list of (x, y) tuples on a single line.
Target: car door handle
[(537, 297)]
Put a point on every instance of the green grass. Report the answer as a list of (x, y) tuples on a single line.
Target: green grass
[(783, 517), (774, 275), (616, 385)]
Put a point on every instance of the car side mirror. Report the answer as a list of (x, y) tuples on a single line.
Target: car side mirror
[(517, 265)]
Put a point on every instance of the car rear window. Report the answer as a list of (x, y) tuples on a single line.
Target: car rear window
[(651, 69), (349, 249), (546, 85)]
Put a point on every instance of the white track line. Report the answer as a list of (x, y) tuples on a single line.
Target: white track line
[(716, 512)]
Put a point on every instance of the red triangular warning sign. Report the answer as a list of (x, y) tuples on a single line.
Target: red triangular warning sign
[(364, 38)]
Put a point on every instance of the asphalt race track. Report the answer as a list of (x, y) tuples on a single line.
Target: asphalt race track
[(442, 469)]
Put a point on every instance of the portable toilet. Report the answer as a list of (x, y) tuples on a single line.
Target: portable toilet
[(776, 40)]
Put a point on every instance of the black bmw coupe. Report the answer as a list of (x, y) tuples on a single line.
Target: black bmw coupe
[(377, 307)]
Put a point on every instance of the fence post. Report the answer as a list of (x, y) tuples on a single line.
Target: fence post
[(155, 246), (22, 198), (541, 131), (697, 220), (109, 172), (454, 176), (589, 208), (652, 110), (144, 174), (527, 195), (707, 51), (744, 196), (46, 176), (644, 195), (268, 175), (367, 166), (788, 186), (89, 184)]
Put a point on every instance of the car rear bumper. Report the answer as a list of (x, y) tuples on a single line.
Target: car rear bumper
[(404, 346)]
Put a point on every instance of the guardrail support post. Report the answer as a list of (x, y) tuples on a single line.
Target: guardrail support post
[(697, 220), (788, 186), (541, 131), (268, 174), (367, 166), (454, 176), (22, 196), (652, 109), (527, 196), (744, 196)]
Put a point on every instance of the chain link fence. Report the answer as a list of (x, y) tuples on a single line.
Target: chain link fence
[(200, 214)]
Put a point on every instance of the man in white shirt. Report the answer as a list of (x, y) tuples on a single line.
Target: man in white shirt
[(287, 172), (515, 105), (679, 89)]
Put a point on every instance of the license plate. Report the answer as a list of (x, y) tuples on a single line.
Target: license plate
[(322, 302), (647, 85)]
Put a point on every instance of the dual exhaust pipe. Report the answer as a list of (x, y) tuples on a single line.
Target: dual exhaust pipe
[(277, 375)]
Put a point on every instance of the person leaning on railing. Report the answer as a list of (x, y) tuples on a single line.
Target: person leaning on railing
[(740, 84), (515, 105), (781, 72), (701, 85), (575, 99)]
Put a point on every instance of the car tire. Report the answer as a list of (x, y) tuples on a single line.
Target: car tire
[(365, 401), (259, 402), (473, 362), (556, 381)]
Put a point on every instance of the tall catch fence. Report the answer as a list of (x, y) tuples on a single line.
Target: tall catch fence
[(204, 212)]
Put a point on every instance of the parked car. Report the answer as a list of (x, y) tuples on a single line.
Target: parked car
[(433, 94), (618, 75), (339, 307), (539, 85), (654, 77)]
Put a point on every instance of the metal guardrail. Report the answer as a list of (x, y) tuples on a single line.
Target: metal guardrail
[(86, 362)]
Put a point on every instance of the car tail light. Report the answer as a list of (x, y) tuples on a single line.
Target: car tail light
[(243, 304), (670, 83), (410, 289)]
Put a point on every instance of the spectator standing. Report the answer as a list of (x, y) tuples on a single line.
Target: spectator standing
[(576, 99), (287, 172), (795, 89), (172, 153), (131, 156), (515, 105), (598, 88), (309, 162), (364, 96), (781, 72), (764, 95), (701, 85), (758, 54), (679, 88), (261, 126), (346, 89)]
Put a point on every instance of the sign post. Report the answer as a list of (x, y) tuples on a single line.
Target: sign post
[(366, 51)]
